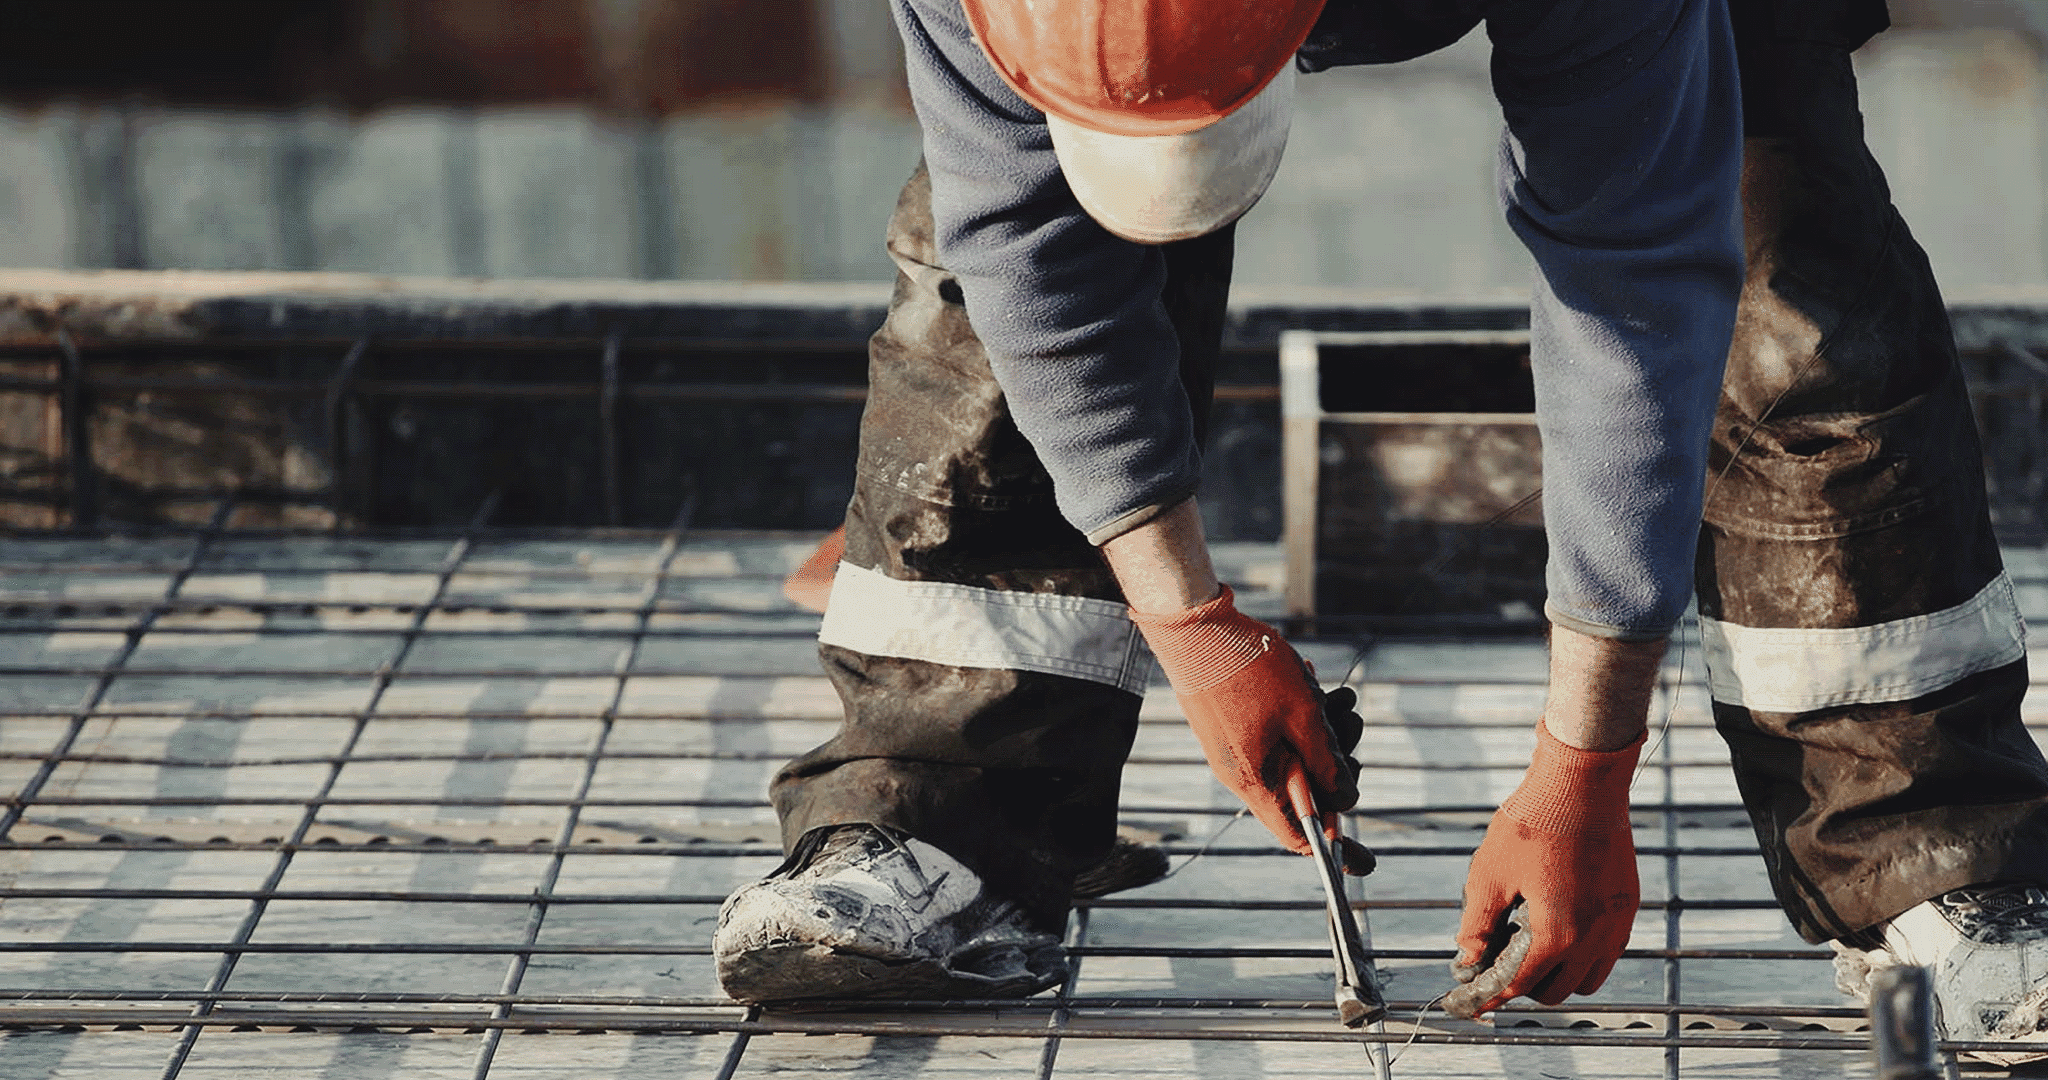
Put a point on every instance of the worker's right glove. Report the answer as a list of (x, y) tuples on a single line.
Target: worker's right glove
[(1561, 845), (1255, 708)]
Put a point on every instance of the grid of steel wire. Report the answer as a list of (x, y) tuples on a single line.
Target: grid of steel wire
[(467, 806)]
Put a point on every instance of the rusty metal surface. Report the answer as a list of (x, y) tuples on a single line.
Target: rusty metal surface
[(169, 305), (353, 402), (1435, 512), (1413, 477), (1420, 515), (172, 305)]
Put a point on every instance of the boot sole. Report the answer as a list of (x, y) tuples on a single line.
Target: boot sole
[(797, 972)]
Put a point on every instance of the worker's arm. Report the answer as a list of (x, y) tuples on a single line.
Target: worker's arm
[(1163, 565), (1600, 689), (1076, 335), (1069, 315), (1251, 700), (1620, 174)]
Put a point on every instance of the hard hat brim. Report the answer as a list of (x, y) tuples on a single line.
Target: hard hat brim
[(1155, 189)]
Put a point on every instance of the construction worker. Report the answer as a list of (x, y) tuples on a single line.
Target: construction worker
[(1024, 507)]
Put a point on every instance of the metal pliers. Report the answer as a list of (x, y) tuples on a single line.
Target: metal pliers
[(1358, 993)]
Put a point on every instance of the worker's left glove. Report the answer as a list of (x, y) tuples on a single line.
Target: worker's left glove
[(1255, 708), (1562, 846), (809, 586)]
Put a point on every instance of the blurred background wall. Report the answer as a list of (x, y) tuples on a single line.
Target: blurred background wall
[(765, 139)]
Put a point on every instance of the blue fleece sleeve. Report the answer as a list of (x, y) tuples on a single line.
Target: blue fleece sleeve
[(1621, 172), (1069, 314)]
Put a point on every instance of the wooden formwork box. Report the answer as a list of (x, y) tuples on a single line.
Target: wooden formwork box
[(1414, 516)]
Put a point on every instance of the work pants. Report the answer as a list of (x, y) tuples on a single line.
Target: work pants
[(1863, 644), (1010, 756), (1863, 647)]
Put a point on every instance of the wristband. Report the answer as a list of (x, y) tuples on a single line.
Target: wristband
[(1569, 790), (1201, 646)]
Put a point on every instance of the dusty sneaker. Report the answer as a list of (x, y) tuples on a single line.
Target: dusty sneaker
[(1987, 946), (865, 911)]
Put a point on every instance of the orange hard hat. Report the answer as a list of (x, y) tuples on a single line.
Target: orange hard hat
[(1168, 116)]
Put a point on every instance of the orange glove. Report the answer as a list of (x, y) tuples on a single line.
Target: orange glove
[(1561, 844), (1255, 708), (810, 585)]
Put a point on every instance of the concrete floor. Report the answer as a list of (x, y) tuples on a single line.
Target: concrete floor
[(427, 808)]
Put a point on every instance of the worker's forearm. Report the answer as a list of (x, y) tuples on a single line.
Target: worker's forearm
[(1163, 565), (1600, 689)]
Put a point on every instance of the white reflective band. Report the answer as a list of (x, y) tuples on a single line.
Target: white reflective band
[(1795, 670), (1075, 636)]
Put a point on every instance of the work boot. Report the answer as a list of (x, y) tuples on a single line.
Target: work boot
[(866, 911), (1987, 947)]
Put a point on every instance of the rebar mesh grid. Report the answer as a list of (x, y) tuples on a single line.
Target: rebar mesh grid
[(467, 806)]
